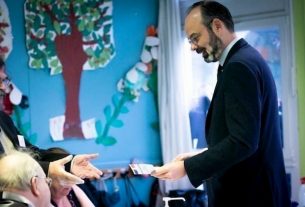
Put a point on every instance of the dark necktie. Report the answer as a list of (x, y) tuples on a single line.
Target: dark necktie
[(219, 71)]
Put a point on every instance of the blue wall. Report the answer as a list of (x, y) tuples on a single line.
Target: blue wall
[(136, 139)]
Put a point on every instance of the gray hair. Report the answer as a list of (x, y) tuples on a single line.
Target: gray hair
[(17, 169)]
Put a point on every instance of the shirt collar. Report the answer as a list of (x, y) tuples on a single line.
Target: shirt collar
[(227, 50), (16, 197)]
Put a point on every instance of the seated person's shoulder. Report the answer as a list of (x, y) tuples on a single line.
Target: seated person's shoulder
[(11, 203)]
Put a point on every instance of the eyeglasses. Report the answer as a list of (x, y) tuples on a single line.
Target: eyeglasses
[(5, 86), (47, 179), (194, 38)]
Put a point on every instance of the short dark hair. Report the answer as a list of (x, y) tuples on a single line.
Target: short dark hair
[(211, 10)]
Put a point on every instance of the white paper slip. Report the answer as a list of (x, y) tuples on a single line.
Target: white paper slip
[(141, 169), (21, 140)]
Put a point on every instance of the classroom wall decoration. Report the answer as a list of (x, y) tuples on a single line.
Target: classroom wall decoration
[(68, 37), (136, 139), (142, 76), (5, 31)]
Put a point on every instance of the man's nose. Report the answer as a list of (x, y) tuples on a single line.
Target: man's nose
[(193, 46)]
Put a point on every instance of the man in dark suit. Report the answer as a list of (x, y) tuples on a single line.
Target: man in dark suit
[(60, 169), (243, 165)]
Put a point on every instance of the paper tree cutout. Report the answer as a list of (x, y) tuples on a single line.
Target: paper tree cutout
[(143, 75), (67, 37)]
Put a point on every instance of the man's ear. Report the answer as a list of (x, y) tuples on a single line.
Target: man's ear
[(217, 25), (34, 186)]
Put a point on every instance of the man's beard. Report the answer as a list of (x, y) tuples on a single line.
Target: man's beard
[(216, 45)]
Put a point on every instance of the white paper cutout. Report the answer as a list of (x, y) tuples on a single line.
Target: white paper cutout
[(57, 128)]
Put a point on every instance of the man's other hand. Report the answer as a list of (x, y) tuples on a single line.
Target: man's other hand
[(58, 174), (82, 167)]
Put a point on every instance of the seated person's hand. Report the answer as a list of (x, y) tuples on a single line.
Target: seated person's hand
[(82, 167), (171, 171), (58, 174)]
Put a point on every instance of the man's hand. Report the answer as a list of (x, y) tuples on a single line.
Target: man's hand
[(170, 171), (82, 167), (58, 174)]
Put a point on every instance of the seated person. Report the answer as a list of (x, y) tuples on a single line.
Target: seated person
[(67, 195), (60, 167), (23, 182)]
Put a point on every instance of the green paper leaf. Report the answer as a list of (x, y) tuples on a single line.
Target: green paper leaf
[(36, 63), (90, 51), (107, 112), (115, 100), (56, 26), (108, 141), (37, 22), (107, 18), (107, 28), (99, 140), (99, 127), (117, 123), (106, 38), (54, 63), (97, 52), (57, 70), (95, 37), (124, 110), (81, 25), (90, 26), (40, 33)]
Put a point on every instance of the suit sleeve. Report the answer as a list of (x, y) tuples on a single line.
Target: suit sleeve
[(242, 117)]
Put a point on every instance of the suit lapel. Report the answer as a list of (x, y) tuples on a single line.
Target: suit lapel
[(240, 43), (209, 114)]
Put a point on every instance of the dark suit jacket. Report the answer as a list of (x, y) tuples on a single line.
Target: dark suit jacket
[(43, 157), (11, 203), (7, 202), (244, 163)]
